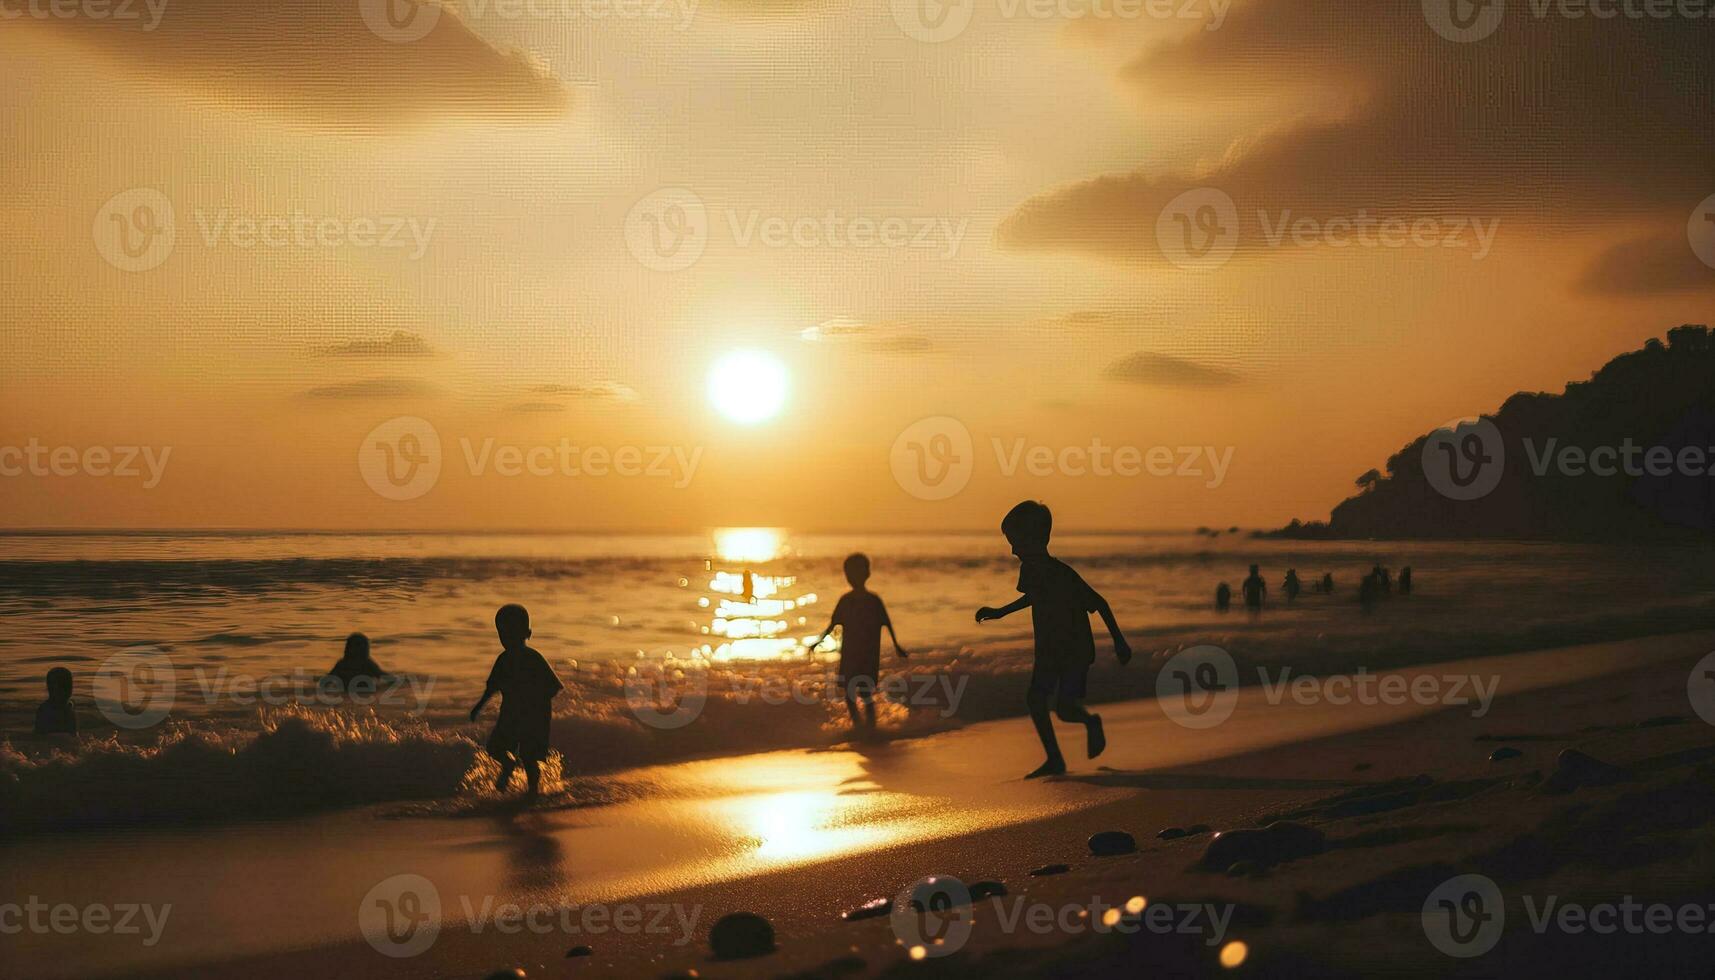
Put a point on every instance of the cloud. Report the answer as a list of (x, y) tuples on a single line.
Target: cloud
[(375, 388), (535, 408), (593, 390), (1166, 371), (401, 343), (320, 61), (1542, 124), (1660, 263), (879, 338)]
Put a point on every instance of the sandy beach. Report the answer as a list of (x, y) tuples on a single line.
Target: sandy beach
[(1402, 796)]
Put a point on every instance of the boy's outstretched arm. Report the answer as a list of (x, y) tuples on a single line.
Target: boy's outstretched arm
[(824, 635), (887, 621), (1122, 649), (477, 709), (987, 613)]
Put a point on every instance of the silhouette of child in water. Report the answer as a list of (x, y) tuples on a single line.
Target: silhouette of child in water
[(1292, 586), (527, 686), (354, 664), (1254, 589), (56, 716), (1060, 604), (860, 615)]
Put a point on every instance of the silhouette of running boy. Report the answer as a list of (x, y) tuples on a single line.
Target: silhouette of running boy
[(527, 686), (56, 716), (860, 615), (1060, 604)]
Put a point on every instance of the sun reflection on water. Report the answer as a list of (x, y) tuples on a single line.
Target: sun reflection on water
[(758, 616)]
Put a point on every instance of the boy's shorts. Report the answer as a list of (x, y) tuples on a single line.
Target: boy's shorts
[(1066, 680), (518, 741), (858, 685)]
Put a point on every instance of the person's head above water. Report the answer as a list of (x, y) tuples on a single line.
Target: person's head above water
[(356, 647), (1254, 569), (512, 622), (1027, 527), (59, 684), (857, 569)]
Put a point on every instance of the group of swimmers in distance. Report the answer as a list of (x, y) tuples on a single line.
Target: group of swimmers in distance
[(1375, 585), (1060, 602)]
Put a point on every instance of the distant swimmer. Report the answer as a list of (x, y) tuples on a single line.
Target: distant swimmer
[(1327, 583), (1291, 586), (1255, 589), (55, 716), (1405, 580), (354, 663), (1223, 597)]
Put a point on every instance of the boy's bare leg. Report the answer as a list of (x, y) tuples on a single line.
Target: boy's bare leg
[(532, 776), (504, 782), (1072, 711), (852, 708), (868, 709), (1056, 763)]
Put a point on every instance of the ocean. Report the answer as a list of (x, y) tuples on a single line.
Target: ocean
[(196, 655)]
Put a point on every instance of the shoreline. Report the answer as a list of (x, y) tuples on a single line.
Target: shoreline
[(1270, 769)]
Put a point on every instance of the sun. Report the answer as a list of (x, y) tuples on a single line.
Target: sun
[(748, 386)]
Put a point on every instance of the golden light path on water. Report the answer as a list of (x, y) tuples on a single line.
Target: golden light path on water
[(759, 615)]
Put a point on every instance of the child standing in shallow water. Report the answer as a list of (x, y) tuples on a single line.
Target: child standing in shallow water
[(55, 716), (860, 615), (527, 686), (1060, 602)]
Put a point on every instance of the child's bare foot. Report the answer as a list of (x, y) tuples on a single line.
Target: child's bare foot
[(1053, 767), (1098, 739)]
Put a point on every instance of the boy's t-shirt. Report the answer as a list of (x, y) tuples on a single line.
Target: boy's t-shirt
[(527, 684), (1060, 606), (861, 616), (56, 718)]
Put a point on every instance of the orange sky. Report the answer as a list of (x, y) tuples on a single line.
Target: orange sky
[(539, 225)]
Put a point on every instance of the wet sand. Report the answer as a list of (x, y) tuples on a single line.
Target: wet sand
[(801, 836)]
